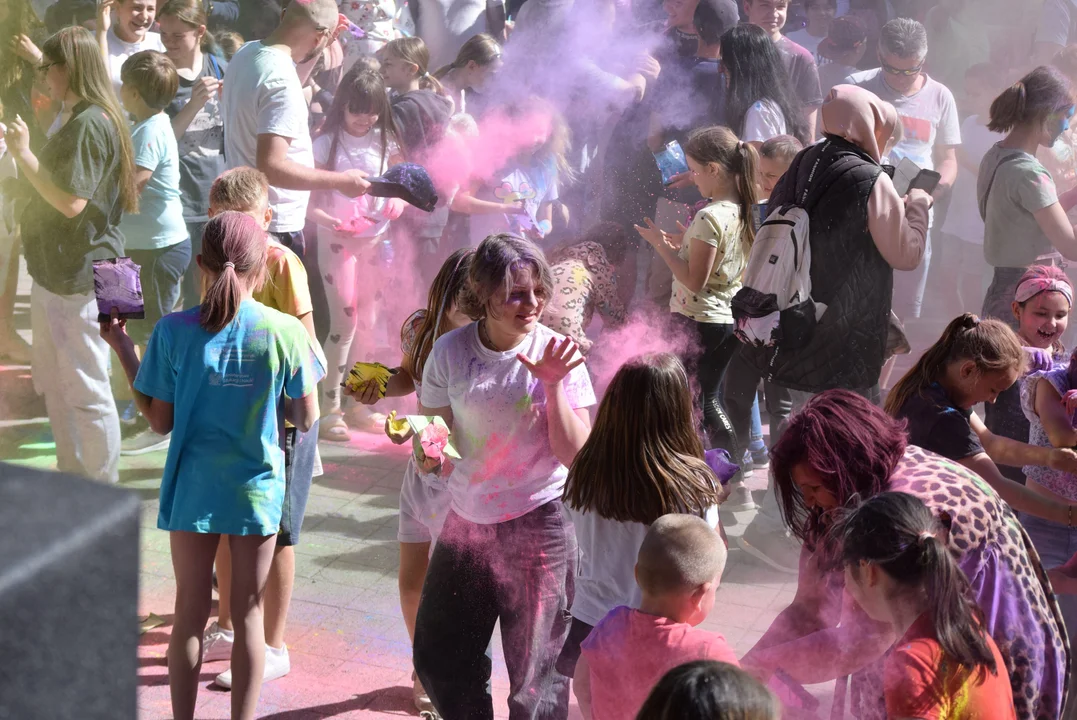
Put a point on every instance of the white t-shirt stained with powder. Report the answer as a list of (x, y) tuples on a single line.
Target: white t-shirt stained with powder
[(507, 468)]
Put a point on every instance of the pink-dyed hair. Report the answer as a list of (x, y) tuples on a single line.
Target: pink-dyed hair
[(854, 447)]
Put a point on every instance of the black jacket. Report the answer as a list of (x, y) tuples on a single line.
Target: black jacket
[(848, 274)]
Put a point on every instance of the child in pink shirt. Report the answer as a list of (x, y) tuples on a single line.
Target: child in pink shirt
[(678, 570)]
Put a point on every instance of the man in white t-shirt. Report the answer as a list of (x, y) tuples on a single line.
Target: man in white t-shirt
[(932, 129), (266, 123), (123, 29)]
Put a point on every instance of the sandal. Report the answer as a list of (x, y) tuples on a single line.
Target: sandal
[(334, 429)]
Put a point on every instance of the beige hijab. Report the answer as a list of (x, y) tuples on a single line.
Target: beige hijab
[(859, 116)]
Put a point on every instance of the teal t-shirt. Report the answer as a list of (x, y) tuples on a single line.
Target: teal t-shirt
[(225, 466), (159, 221)]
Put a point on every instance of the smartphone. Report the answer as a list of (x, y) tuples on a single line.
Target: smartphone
[(671, 161), (926, 180)]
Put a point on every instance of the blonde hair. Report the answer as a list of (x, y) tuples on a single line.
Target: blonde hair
[(481, 49), (413, 50), (87, 76), (243, 189), (153, 77)]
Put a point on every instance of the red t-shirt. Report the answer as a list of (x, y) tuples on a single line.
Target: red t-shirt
[(921, 682), (629, 652)]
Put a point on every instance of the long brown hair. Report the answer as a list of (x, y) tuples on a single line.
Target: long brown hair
[(361, 91), (87, 76), (413, 50), (991, 344), (481, 49), (233, 248), (719, 145), (898, 533), (191, 13), (644, 457), (21, 20), (1031, 99), (444, 291)]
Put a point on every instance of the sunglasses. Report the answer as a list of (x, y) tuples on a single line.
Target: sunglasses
[(44, 67), (891, 70)]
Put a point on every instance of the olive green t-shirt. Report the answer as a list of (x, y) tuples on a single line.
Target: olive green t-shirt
[(1021, 188), (83, 159)]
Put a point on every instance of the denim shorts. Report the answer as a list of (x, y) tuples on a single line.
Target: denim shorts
[(300, 449)]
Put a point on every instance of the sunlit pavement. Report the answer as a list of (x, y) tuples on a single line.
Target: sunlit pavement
[(350, 654)]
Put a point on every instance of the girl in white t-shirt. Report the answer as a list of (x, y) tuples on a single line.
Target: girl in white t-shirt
[(516, 396), (424, 497), (760, 102), (358, 135), (643, 459)]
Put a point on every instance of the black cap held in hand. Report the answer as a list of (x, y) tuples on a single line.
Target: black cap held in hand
[(409, 182)]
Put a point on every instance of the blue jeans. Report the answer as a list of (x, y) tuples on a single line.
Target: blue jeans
[(755, 443), (519, 572)]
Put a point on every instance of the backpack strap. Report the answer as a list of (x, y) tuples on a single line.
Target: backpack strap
[(983, 203), (215, 66)]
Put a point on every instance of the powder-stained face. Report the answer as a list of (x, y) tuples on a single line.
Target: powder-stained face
[(1043, 319), (520, 312), (1056, 124), (813, 488)]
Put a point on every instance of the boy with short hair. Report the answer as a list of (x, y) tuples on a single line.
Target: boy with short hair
[(843, 49), (678, 568), (799, 63), (775, 157), (156, 236), (246, 190)]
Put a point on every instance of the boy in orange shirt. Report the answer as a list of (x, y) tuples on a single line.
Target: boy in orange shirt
[(246, 190)]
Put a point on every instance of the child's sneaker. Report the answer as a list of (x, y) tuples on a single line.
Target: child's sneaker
[(746, 465), (144, 443), (277, 666), (217, 643), (760, 459), (738, 498)]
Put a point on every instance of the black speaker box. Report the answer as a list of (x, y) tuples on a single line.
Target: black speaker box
[(68, 598)]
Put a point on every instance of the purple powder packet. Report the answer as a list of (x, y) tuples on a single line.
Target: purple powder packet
[(116, 284), (718, 461)]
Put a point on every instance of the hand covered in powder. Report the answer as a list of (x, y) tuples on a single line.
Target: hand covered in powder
[(557, 361), (1064, 460), (1038, 359), (394, 208), (1070, 401)]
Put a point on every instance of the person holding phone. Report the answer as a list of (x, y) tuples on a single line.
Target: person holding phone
[(932, 130)]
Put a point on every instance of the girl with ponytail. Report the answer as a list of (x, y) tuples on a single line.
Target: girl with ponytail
[(974, 362), (219, 377), (1024, 216), (899, 569), (469, 74), (707, 263), (424, 498)]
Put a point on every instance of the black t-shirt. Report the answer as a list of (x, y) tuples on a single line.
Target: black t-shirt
[(201, 149), (82, 158), (935, 424)]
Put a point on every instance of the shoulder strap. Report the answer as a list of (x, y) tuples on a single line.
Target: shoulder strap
[(991, 184), (215, 66)]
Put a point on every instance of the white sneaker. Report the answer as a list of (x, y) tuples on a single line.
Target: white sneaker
[(277, 666), (145, 442), (739, 498), (217, 643)]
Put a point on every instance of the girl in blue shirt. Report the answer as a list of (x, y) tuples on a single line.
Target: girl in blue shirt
[(222, 377)]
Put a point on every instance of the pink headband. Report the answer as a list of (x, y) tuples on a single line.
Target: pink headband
[(1034, 286)]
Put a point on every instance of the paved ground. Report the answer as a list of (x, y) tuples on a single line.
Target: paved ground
[(349, 649)]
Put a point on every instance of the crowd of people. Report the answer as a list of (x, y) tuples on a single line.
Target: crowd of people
[(453, 190)]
